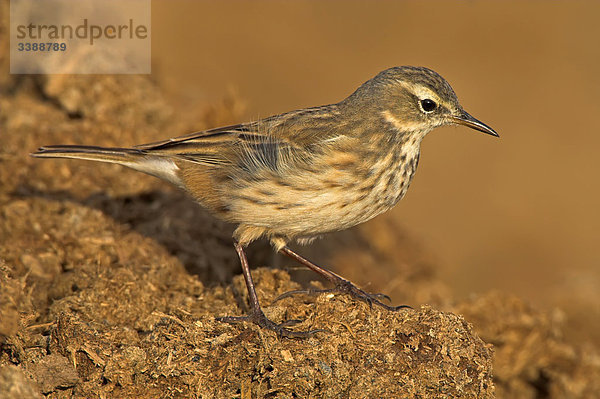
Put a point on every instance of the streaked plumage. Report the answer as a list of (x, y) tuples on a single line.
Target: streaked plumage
[(303, 173)]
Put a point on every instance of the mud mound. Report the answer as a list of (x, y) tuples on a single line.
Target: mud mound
[(110, 282)]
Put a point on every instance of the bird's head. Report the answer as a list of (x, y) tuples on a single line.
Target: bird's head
[(414, 99)]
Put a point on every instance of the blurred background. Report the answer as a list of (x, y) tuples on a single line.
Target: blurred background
[(519, 213)]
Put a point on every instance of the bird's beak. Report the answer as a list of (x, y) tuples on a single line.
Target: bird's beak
[(467, 120)]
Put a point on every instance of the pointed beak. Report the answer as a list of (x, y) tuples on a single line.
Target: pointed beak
[(467, 120)]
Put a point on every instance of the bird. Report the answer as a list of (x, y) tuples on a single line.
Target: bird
[(298, 175)]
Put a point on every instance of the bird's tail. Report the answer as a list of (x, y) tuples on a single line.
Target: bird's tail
[(103, 154), (133, 158)]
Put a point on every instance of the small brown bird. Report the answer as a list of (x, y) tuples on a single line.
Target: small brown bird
[(303, 173)]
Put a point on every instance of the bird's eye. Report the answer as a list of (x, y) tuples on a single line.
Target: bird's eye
[(428, 105)]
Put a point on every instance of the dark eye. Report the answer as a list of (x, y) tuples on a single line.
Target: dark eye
[(428, 105)]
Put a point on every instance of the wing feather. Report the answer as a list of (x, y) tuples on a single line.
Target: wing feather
[(269, 142)]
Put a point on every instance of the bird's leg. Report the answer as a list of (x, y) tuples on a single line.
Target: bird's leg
[(340, 284), (256, 314)]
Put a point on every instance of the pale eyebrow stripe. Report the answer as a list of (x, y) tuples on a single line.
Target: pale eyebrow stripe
[(420, 91)]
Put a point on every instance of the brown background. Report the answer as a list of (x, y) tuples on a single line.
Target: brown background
[(518, 214)]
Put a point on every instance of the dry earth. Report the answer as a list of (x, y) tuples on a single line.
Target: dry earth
[(110, 283)]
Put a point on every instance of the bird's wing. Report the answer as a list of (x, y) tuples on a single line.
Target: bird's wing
[(265, 142), (211, 147)]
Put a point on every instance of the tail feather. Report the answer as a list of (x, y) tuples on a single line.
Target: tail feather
[(103, 154), (137, 159)]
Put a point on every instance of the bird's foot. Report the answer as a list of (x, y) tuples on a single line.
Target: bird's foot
[(258, 317), (346, 287)]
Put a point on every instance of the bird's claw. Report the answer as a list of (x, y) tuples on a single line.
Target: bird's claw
[(346, 287), (259, 318)]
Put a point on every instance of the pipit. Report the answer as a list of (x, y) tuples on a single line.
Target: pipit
[(301, 174)]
